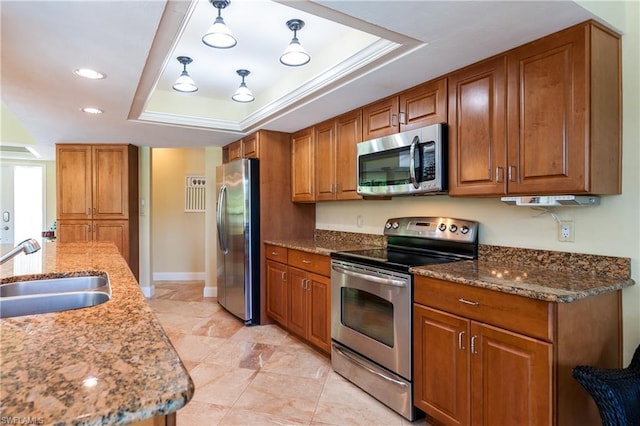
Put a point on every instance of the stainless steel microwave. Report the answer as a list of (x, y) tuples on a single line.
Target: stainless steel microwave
[(408, 163)]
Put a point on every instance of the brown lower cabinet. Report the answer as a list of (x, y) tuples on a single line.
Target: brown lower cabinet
[(80, 231), (482, 357), (168, 420), (298, 293)]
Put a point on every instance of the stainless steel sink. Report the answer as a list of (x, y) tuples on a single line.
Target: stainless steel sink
[(54, 285), (53, 295)]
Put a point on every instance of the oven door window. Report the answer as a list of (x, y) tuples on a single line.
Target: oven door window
[(368, 314)]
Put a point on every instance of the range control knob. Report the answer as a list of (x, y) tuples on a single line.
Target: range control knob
[(453, 228), (387, 225), (464, 229), (395, 225), (442, 227)]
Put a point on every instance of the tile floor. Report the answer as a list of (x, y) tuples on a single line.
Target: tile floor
[(256, 375)]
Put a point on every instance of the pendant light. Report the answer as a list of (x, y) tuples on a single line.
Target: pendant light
[(219, 35), (243, 94), (295, 55), (185, 83)]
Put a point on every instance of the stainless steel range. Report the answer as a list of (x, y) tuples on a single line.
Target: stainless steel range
[(371, 303)]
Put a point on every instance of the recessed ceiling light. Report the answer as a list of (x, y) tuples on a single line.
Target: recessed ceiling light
[(89, 73), (92, 110)]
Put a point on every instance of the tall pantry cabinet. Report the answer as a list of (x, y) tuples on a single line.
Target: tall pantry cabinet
[(97, 196)]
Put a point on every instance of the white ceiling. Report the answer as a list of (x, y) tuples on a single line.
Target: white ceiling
[(393, 45)]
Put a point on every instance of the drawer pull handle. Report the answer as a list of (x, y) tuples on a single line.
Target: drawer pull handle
[(460, 345), (306, 261), (274, 253), (468, 302)]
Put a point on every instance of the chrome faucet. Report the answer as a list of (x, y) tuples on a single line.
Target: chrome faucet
[(27, 246)]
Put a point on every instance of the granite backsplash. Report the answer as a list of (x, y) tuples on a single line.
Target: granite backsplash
[(619, 267)]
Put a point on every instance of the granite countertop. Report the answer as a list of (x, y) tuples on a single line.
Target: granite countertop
[(318, 247), (525, 280), (107, 364), (539, 274)]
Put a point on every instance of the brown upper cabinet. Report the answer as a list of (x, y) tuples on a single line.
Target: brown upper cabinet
[(477, 129), (335, 157), (247, 147), (303, 165), (561, 112), (419, 106)]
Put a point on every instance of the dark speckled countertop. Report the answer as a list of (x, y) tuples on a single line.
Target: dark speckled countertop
[(529, 281), (540, 274), (108, 364)]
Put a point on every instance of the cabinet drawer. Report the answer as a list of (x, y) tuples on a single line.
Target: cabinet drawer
[(520, 314), (310, 262), (277, 253)]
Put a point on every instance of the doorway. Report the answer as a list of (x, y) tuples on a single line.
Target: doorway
[(21, 202)]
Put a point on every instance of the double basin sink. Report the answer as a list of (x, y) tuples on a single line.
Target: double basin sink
[(38, 296)]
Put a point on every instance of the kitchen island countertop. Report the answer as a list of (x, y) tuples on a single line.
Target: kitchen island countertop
[(107, 364)]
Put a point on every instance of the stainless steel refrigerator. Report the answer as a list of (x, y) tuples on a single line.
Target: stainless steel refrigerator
[(238, 227)]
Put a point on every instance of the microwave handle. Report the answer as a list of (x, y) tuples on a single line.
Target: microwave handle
[(412, 155)]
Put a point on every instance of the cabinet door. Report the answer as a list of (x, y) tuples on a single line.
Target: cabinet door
[(348, 134), (511, 377), (297, 312), (73, 175), (251, 146), (380, 118), (277, 300), (110, 182), (303, 166), (115, 231), (477, 129), (423, 105), (441, 365), (319, 310), (547, 115), (325, 143), (74, 231), (235, 150)]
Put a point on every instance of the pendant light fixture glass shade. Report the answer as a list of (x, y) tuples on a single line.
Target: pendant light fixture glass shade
[(185, 83), (295, 55), (243, 94), (219, 35)]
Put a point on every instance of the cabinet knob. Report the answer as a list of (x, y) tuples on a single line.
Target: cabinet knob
[(284, 276)]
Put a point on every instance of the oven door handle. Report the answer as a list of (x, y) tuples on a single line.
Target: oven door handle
[(372, 278), (369, 369)]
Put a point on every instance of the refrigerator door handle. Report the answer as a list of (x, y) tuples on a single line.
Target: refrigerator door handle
[(222, 199)]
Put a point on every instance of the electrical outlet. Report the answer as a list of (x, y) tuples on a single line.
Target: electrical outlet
[(565, 231)]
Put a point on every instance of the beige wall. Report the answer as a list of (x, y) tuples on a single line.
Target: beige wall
[(613, 228), (178, 238)]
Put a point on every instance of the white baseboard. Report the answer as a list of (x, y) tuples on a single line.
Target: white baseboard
[(148, 291), (178, 276), (210, 292)]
